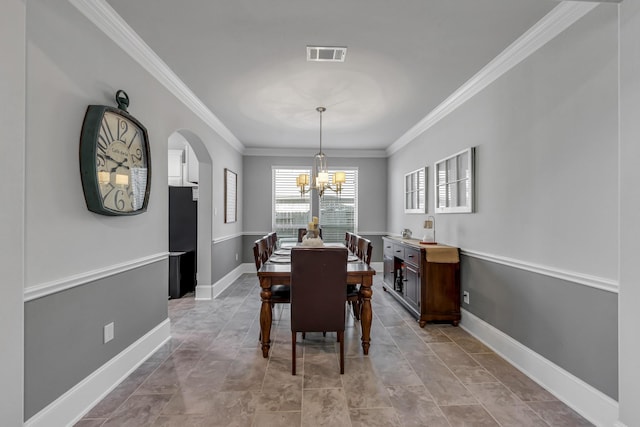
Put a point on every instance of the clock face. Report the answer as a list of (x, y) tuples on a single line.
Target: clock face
[(121, 163), (114, 162)]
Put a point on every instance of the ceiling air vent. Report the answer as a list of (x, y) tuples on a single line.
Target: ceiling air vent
[(326, 53)]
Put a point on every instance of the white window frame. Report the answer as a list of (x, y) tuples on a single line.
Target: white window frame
[(350, 171), (452, 176), (415, 191), (307, 196)]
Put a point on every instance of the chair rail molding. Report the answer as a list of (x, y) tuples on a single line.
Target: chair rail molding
[(44, 289), (601, 283)]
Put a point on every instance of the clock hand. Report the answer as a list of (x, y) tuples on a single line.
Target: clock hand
[(118, 164)]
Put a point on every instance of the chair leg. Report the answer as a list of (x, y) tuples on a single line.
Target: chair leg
[(341, 339), (356, 309), (293, 353)]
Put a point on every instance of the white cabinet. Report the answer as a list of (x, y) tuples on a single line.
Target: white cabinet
[(174, 163), (192, 165)]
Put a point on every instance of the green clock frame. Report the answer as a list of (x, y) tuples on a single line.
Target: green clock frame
[(115, 160)]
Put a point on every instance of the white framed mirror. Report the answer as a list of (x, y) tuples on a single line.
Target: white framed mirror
[(453, 183), (415, 188)]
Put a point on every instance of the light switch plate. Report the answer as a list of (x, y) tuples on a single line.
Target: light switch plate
[(108, 332)]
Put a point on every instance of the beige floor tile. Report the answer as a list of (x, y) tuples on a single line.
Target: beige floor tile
[(415, 406), (515, 416), (212, 373), (379, 417), (469, 416), (277, 419), (325, 407), (556, 414)]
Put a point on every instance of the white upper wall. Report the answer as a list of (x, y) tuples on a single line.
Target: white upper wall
[(546, 157), (70, 65)]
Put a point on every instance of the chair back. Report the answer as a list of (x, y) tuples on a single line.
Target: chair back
[(364, 250), (271, 243), (260, 252), (318, 283), (347, 238), (353, 243), (273, 239)]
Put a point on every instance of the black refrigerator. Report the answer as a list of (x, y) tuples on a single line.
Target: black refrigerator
[(183, 241)]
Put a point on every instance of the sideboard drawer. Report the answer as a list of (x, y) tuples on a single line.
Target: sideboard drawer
[(412, 256), (398, 251), (388, 248)]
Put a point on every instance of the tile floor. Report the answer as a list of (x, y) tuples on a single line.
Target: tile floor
[(212, 373)]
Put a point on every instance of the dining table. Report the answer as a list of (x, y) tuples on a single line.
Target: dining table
[(277, 271)]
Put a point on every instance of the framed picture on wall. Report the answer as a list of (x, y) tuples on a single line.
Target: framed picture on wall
[(230, 196), (453, 182), (415, 188)]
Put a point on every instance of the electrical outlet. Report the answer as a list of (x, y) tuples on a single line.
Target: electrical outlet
[(465, 297), (108, 332)]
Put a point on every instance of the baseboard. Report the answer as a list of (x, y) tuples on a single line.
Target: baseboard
[(203, 292), (592, 404), (72, 405), (619, 424), (231, 277)]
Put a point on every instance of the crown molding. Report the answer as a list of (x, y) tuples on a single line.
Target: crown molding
[(306, 152), (552, 24), (113, 26)]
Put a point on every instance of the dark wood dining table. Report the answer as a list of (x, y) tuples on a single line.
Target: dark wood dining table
[(280, 274)]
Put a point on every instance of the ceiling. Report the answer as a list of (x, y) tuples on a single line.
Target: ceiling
[(246, 61)]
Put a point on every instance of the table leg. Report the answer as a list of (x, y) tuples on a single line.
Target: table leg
[(366, 314), (265, 315)]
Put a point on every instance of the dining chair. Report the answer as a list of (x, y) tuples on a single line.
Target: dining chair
[(318, 280), (353, 243), (273, 240), (354, 299), (364, 249), (279, 293), (260, 252), (347, 238)]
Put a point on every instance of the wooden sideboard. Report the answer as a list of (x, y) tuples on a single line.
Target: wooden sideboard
[(425, 279)]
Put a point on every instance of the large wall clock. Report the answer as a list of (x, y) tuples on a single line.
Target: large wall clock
[(115, 163)]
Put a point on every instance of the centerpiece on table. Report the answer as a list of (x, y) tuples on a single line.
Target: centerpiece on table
[(312, 237)]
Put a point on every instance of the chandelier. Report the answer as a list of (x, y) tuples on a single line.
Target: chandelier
[(320, 174)]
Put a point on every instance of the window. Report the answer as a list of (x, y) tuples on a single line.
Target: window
[(339, 213), (414, 191), (454, 183), (290, 210)]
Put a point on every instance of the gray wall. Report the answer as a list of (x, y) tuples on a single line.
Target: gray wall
[(72, 64), (64, 331), (629, 318), (12, 146), (223, 257), (560, 320), (546, 179), (372, 194)]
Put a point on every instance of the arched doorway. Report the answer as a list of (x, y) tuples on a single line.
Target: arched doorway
[(204, 208)]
